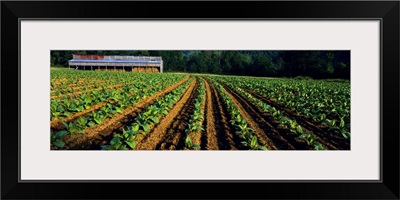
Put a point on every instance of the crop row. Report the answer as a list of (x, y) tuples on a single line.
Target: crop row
[(284, 121), (195, 124), (120, 101), (64, 78), (242, 128), (126, 95), (145, 121), (326, 103), (113, 80)]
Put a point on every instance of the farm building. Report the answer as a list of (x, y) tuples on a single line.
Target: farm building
[(116, 63)]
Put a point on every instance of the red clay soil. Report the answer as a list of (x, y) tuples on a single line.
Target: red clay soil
[(264, 136), (225, 133), (332, 140), (209, 140), (164, 132), (95, 136)]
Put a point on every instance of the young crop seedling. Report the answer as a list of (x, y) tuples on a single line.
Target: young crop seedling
[(57, 138), (123, 140), (73, 128), (190, 145)]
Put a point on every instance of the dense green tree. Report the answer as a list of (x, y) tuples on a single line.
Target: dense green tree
[(141, 53)]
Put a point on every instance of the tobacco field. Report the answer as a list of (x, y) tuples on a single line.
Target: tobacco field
[(102, 110)]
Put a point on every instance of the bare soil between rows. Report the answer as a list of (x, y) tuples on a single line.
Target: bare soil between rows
[(219, 123), (209, 140), (170, 134)]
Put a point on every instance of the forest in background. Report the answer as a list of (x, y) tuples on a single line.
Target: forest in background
[(314, 64)]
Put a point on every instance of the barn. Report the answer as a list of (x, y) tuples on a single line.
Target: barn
[(116, 63)]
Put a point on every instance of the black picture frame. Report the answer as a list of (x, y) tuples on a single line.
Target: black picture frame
[(386, 11)]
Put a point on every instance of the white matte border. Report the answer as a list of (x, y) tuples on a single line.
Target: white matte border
[(40, 36)]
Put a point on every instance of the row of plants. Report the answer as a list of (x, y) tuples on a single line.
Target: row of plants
[(64, 78), (279, 116), (70, 83), (242, 128), (195, 124), (113, 81), (326, 103), (61, 108), (146, 120), (119, 103), (75, 91), (70, 80)]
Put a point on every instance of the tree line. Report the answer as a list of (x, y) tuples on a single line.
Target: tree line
[(314, 64)]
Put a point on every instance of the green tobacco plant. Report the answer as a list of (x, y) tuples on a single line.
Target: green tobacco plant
[(74, 106), (55, 110), (57, 138), (190, 145), (254, 144), (195, 125), (97, 117), (82, 121), (123, 140), (73, 128)]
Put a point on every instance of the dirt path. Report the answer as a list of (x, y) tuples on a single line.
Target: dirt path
[(209, 140), (161, 133), (97, 136), (225, 133), (329, 139), (265, 138), (175, 135)]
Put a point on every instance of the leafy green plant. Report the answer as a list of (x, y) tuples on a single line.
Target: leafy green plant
[(57, 138), (254, 144), (144, 120), (82, 121), (55, 109), (73, 128), (190, 145), (123, 140)]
